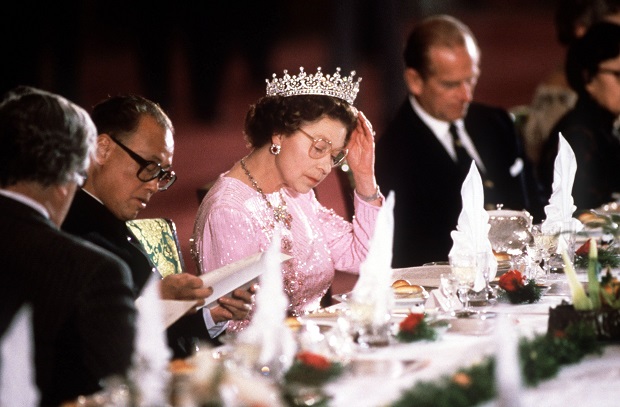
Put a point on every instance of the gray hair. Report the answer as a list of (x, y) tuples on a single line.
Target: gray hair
[(44, 138)]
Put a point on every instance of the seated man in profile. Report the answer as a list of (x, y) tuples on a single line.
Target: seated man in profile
[(81, 296), (133, 160)]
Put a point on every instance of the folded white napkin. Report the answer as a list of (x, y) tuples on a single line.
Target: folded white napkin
[(373, 286), (560, 209), (507, 369), (149, 371), (472, 231), (437, 299), (17, 375), (267, 330)]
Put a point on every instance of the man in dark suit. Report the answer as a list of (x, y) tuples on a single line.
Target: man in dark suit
[(80, 295), (133, 160), (428, 147)]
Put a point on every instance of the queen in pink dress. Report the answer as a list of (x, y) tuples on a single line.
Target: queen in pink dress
[(304, 127)]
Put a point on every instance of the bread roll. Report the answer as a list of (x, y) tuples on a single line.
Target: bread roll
[(401, 283), (293, 323), (501, 256), (408, 289)]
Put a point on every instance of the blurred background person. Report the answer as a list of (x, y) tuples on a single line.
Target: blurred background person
[(427, 149), (81, 295), (553, 96), (297, 134), (592, 126)]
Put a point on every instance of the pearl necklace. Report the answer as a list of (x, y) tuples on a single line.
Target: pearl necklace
[(280, 213)]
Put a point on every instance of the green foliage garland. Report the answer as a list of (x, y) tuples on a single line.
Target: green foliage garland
[(541, 358)]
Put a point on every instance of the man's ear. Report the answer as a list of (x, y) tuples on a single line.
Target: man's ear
[(413, 80), (104, 147)]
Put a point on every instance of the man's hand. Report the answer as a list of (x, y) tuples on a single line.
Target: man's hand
[(236, 307), (184, 286)]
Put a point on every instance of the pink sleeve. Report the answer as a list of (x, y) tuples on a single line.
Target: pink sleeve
[(228, 236), (349, 242)]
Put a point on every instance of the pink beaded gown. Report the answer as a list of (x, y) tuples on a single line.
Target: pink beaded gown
[(234, 222)]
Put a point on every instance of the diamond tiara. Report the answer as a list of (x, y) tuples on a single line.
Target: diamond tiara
[(335, 85)]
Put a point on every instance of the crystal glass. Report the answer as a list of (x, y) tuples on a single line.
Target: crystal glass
[(449, 287), (369, 329), (543, 246), (463, 267), (482, 265)]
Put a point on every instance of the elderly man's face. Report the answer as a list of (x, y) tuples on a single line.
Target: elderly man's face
[(449, 88), (605, 85), (113, 179)]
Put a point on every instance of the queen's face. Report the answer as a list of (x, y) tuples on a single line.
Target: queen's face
[(605, 85), (296, 168)]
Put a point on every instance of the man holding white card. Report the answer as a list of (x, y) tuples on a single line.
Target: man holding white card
[(132, 162)]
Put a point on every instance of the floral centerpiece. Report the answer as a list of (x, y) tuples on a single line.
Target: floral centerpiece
[(303, 382), (608, 256), (608, 251), (312, 369), (599, 306), (415, 327), (516, 288)]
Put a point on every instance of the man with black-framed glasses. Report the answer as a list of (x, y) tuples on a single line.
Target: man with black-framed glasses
[(132, 162)]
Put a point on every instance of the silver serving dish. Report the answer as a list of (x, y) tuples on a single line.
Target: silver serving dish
[(510, 230)]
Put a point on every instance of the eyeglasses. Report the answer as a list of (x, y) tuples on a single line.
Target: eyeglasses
[(149, 170), (614, 72), (320, 148)]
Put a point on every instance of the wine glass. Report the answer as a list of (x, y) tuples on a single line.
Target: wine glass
[(535, 256), (483, 266), (545, 244), (463, 266), (449, 287)]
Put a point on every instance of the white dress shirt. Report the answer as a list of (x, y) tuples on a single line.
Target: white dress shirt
[(441, 130)]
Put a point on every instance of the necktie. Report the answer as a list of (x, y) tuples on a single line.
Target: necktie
[(462, 157)]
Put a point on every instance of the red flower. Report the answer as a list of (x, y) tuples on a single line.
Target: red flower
[(558, 333), (410, 323), (512, 280), (314, 360), (584, 250)]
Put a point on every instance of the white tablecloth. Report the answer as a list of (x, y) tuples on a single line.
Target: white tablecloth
[(595, 381)]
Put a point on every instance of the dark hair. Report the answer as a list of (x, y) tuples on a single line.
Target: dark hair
[(600, 43), (285, 115), (440, 30), (44, 137), (571, 13), (119, 116)]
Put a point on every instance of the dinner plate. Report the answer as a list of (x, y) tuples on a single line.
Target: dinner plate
[(400, 301), (410, 300), (481, 323), (323, 313)]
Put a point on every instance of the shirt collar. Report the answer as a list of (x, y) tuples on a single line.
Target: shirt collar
[(93, 196), (26, 200), (438, 127)]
